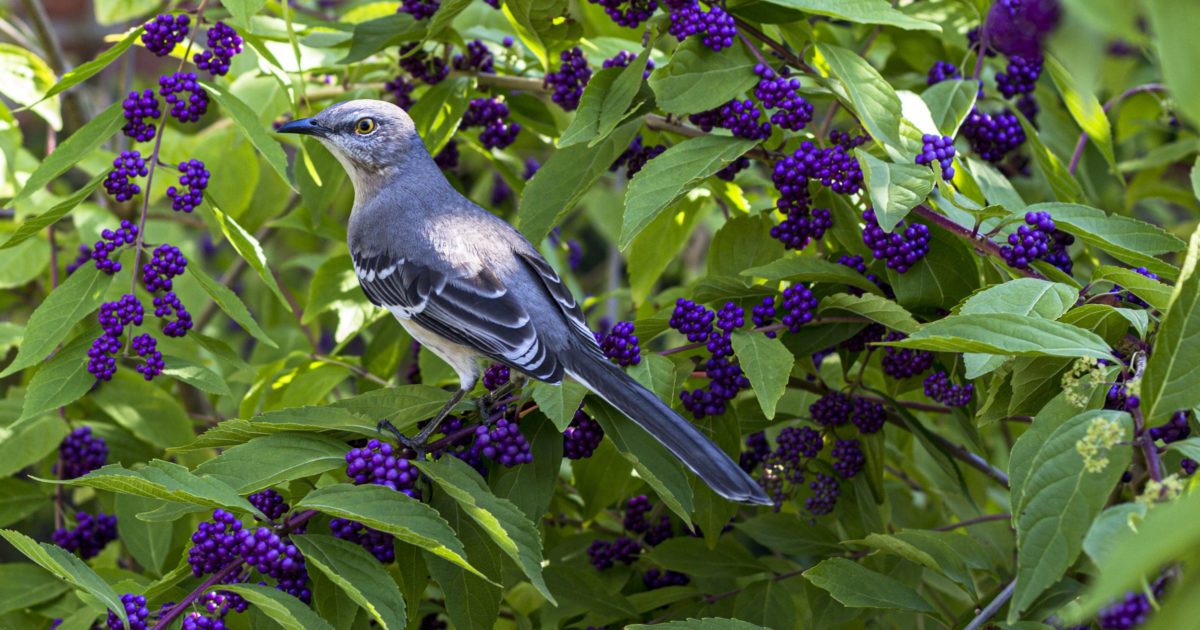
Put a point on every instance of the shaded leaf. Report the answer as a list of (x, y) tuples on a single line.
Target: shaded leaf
[(856, 586), (80, 294), (285, 609), (767, 363), (358, 574)]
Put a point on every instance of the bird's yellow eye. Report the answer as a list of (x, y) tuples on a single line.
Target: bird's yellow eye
[(364, 126)]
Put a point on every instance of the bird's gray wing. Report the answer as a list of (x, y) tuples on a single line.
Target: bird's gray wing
[(562, 296), (472, 310)]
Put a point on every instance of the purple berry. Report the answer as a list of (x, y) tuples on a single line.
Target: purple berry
[(692, 320), (764, 315), (447, 158), (146, 347), (135, 610), (568, 82), (379, 544), (939, 388), (490, 113), (582, 436), (494, 376), (848, 458), (1017, 27), (173, 89), (832, 409), (799, 305), (223, 43), (1030, 242), (377, 463), (938, 149), (503, 444), (166, 263), (401, 90), (758, 453), (419, 9), (781, 94), (270, 503), (716, 27), (89, 535), (421, 65), (868, 416), (165, 32), (80, 453), (741, 118), (138, 108), (477, 59), (628, 13), (993, 136), (1020, 76), (901, 248), (119, 182), (901, 363), (167, 304), (654, 578), (833, 167), (825, 493), (1174, 430), (941, 71), (621, 345), (624, 58)]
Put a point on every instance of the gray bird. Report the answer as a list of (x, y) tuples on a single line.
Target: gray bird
[(467, 285)]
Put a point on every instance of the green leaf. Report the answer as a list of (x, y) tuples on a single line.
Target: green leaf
[(562, 181), (669, 176), (44, 220), (559, 402), (653, 462), (874, 307), (287, 610), (246, 119), (396, 513), (195, 375), (507, 527), (332, 282), (872, 97), (660, 242), (27, 585), (438, 113), (1154, 292), (242, 10), (163, 480), (856, 586), (404, 406), (24, 77), (691, 556), (357, 573), (949, 103), (809, 269), (19, 499), (605, 100), (948, 273), (69, 568), (70, 151), (373, 36), (1084, 107), (1022, 296), (273, 459), (698, 78), (1178, 51), (871, 12), (743, 241), (85, 71), (767, 363), (894, 189), (531, 486), (149, 543), (584, 588), (1130, 240), (766, 602), (80, 294), (953, 554), (26, 441), (250, 250), (444, 16), (1058, 497), (145, 409), (232, 432), (1110, 527), (699, 624), (231, 304), (1064, 185), (1169, 382), (61, 380), (540, 25), (471, 601), (787, 533), (1008, 334)]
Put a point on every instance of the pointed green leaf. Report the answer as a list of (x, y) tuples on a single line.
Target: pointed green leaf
[(949, 103), (246, 119), (698, 78), (1169, 383), (439, 112), (559, 402), (357, 573), (80, 294), (1008, 334), (1084, 107), (1154, 292), (1064, 185), (273, 459), (195, 375), (874, 12), (33, 225), (1128, 239), (809, 269), (872, 97), (164, 480), (61, 380), (249, 249), (65, 565), (86, 139), (692, 556), (874, 307), (856, 586), (287, 610), (85, 71), (894, 189), (1178, 51), (653, 462), (231, 304), (27, 585), (767, 363)]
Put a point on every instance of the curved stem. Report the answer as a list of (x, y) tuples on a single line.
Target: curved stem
[(974, 521), (992, 608), (981, 245), (1083, 137)]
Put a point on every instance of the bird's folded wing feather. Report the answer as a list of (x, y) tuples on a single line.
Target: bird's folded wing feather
[(472, 310), (562, 295)]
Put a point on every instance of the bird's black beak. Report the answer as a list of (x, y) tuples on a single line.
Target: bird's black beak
[(306, 126)]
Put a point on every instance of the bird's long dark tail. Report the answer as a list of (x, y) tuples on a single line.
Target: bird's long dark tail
[(681, 438)]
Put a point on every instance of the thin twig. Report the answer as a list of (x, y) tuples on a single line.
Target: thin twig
[(981, 244), (356, 369), (992, 608), (973, 521), (55, 58), (1083, 137)]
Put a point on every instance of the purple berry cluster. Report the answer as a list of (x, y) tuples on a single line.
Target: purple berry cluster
[(624, 58), (165, 32), (834, 167), (799, 305), (135, 610), (494, 376), (80, 453), (168, 304), (727, 173), (430, 69), (716, 27), (1174, 430), (198, 621), (848, 458), (940, 149), (941, 71), (1020, 76), (113, 317), (270, 503), (188, 108), (901, 363), (867, 415), (138, 108), (568, 82), (794, 446), (781, 94), (939, 388), (377, 463), (119, 182), (901, 248), (401, 89), (503, 443), (654, 578), (1017, 27), (490, 113), (224, 540), (166, 263), (447, 158), (759, 451), (1030, 242), (692, 320), (726, 379), (419, 9), (846, 140), (1130, 611), (856, 263), (477, 59), (109, 241), (729, 318), (213, 543), (621, 345), (741, 118), (379, 544), (636, 156), (862, 339), (831, 409), (628, 13), (801, 225), (463, 447), (636, 510), (825, 493), (603, 554), (764, 315), (147, 347), (993, 136), (89, 535), (582, 436), (223, 43), (1059, 253)]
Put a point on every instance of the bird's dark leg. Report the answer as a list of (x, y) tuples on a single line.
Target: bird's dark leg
[(488, 401), (417, 443)]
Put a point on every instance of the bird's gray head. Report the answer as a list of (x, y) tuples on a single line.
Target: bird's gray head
[(369, 137)]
